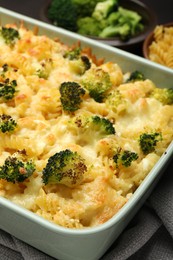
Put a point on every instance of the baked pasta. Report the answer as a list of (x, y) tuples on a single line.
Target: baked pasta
[(161, 48), (78, 135)]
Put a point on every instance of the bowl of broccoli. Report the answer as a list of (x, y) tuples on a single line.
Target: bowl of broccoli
[(120, 23)]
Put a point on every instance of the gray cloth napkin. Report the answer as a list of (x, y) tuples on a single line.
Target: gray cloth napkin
[(149, 236)]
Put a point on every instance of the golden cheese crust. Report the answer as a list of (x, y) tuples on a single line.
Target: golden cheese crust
[(43, 129)]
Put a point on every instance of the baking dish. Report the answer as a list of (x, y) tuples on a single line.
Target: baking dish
[(63, 243)]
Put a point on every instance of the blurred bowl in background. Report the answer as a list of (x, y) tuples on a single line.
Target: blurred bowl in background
[(157, 45), (149, 19)]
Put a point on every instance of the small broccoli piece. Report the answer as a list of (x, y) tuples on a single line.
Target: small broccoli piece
[(164, 95), (116, 102), (63, 13), (103, 125), (148, 142), (103, 9), (7, 123), (122, 23), (7, 89), (4, 69), (65, 167), (10, 35), (135, 75), (113, 18), (91, 128), (97, 82), (85, 7), (78, 63), (132, 18), (86, 62), (41, 73), (122, 31), (88, 26), (81, 65), (73, 53), (16, 168), (71, 93), (124, 157)]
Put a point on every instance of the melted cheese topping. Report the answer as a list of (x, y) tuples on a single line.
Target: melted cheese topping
[(45, 129)]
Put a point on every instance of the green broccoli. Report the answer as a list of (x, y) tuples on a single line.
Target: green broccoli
[(10, 35), (92, 126), (7, 123), (78, 63), (164, 95), (63, 13), (148, 142), (73, 53), (113, 18), (124, 157), (85, 7), (4, 69), (8, 89), (122, 23), (88, 26), (71, 93), (80, 66), (103, 125), (65, 167), (122, 31), (16, 168), (103, 9), (132, 18), (97, 82), (115, 101), (135, 76)]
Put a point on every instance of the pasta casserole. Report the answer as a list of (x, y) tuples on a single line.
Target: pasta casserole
[(78, 135)]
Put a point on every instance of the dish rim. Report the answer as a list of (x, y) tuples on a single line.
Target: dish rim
[(141, 190)]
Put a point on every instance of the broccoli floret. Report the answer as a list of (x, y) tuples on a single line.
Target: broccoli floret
[(132, 18), (42, 73), (97, 82), (10, 35), (7, 123), (85, 7), (73, 53), (116, 102), (103, 9), (122, 31), (92, 127), (63, 13), (113, 18), (80, 65), (65, 167), (71, 93), (148, 142), (164, 95), (16, 168), (90, 26), (4, 69), (103, 125), (7, 89), (122, 23), (135, 76), (124, 157)]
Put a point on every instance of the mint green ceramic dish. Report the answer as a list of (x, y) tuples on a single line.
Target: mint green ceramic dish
[(90, 243)]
